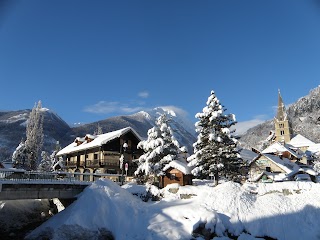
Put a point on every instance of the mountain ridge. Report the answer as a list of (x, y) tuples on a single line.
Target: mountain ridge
[(13, 128)]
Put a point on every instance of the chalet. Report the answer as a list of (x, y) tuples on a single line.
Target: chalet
[(101, 153), (176, 172)]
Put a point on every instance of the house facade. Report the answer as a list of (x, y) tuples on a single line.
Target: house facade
[(273, 168), (108, 154)]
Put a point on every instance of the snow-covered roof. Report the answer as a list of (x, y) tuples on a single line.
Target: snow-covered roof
[(285, 164), (98, 141), (277, 147), (276, 177), (300, 141), (247, 155), (306, 170), (315, 148), (181, 166), (90, 136)]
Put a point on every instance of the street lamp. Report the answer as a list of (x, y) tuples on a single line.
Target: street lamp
[(121, 167), (125, 146)]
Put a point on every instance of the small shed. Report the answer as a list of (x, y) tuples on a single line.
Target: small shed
[(176, 172)]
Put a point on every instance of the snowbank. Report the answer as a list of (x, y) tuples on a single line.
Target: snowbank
[(288, 210)]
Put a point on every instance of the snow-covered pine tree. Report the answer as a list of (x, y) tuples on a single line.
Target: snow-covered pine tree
[(159, 149), (19, 156), (34, 134), (46, 162), (315, 161), (27, 153), (171, 147), (215, 152), (98, 131)]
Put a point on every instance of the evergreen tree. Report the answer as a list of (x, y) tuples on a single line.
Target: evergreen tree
[(159, 149), (215, 152), (315, 161), (46, 162), (27, 153), (34, 133), (98, 131), (19, 156)]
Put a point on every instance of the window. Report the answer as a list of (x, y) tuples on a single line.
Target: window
[(95, 156), (172, 176), (268, 169), (281, 125), (281, 132)]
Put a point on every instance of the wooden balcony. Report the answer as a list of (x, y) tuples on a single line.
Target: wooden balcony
[(71, 164), (92, 163)]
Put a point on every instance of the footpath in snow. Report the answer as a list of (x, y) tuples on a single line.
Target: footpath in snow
[(284, 211)]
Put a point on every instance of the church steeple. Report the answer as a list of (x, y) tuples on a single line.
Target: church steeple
[(281, 112), (281, 122)]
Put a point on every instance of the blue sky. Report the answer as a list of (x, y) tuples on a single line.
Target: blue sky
[(89, 60)]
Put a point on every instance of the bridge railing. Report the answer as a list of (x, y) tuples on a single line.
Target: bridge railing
[(19, 175)]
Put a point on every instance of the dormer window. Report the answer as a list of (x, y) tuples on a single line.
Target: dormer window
[(79, 141), (90, 137)]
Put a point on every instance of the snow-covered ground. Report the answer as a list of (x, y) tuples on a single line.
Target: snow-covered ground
[(288, 210)]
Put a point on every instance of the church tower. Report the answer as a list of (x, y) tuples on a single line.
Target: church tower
[(281, 123)]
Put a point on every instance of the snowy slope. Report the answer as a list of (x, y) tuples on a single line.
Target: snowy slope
[(284, 211), (13, 129), (184, 130), (178, 116)]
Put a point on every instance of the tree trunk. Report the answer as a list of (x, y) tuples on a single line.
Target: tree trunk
[(216, 179)]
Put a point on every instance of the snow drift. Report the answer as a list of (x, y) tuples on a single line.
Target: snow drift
[(287, 210)]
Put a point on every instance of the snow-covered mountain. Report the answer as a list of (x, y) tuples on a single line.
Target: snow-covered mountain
[(304, 116), (183, 128), (144, 120), (13, 128)]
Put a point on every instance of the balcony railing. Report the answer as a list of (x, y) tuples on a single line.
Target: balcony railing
[(92, 163), (71, 164)]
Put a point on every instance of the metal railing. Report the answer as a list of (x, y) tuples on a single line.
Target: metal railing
[(21, 175)]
